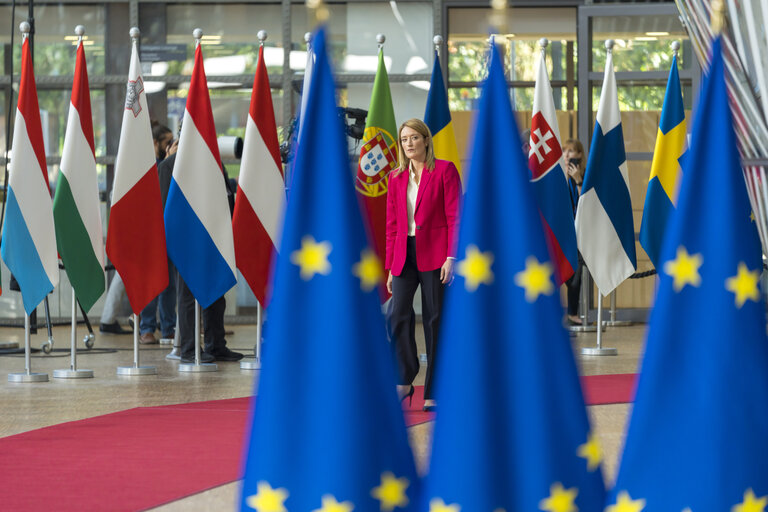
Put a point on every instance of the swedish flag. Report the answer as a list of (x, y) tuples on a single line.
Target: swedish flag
[(661, 196), (512, 433), (697, 437), (438, 118), (327, 431)]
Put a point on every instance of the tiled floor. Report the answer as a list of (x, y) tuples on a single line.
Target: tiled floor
[(29, 406)]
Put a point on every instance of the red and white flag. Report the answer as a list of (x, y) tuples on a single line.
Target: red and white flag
[(261, 190), (136, 236)]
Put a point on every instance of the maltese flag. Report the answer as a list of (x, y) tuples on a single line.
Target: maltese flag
[(261, 190), (135, 237), (198, 225), (545, 160)]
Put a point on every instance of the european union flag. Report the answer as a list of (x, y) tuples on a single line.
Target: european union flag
[(512, 432), (697, 437), (328, 431), (664, 181)]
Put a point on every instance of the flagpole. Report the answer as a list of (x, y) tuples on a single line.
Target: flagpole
[(197, 366), (72, 372), (27, 376)]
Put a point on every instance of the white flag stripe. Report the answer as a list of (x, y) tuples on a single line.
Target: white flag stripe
[(608, 114), (600, 245), (33, 197), (263, 186), (197, 188), (136, 133), (83, 182)]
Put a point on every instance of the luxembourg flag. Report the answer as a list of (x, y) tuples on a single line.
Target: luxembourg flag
[(198, 225), (545, 160), (135, 237), (261, 195), (29, 237), (604, 227), (76, 205)]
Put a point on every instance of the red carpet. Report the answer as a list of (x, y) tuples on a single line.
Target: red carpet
[(144, 457)]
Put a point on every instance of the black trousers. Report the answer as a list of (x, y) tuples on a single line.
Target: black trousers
[(213, 322), (404, 330)]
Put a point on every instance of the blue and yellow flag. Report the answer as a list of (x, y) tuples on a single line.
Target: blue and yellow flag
[(697, 437), (512, 432), (438, 119), (327, 431), (661, 196)]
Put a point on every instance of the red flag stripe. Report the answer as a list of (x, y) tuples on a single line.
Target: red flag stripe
[(253, 248), (262, 112), (199, 106), (29, 107), (81, 96)]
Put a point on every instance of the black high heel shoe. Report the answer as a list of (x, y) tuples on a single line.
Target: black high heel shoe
[(429, 407), (409, 396)]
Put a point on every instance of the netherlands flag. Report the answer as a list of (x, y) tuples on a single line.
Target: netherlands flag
[(261, 190), (545, 160), (29, 237), (135, 238), (198, 225)]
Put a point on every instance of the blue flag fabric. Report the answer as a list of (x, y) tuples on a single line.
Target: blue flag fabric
[(328, 431), (661, 196), (697, 436), (512, 433)]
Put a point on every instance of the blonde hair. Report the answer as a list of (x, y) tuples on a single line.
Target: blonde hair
[(422, 129), (576, 145)]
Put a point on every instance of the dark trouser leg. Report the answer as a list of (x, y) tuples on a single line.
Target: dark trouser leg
[(186, 304), (403, 326), (431, 306), (573, 296), (213, 322)]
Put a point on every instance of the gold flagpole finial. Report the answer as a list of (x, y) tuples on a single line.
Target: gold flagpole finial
[(717, 17)]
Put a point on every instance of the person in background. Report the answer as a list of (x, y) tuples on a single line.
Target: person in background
[(575, 164), (422, 225)]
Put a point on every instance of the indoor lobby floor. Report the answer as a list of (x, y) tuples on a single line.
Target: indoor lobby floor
[(30, 406)]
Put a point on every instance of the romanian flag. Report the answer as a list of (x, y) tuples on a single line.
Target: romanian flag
[(438, 119), (378, 157), (661, 197)]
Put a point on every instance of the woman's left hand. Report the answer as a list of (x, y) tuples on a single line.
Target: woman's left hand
[(446, 272)]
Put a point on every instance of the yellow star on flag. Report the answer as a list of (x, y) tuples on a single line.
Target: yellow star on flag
[(330, 504), (438, 505), (751, 503), (368, 269), (312, 258), (592, 451), (268, 499), (475, 268), (624, 503), (684, 269), (744, 285), (560, 499), (536, 279), (391, 492)]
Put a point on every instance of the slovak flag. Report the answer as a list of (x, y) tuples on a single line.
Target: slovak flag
[(135, 237), (29, 237), (261, 189), (545, 160), (198, 225), (604, 226)]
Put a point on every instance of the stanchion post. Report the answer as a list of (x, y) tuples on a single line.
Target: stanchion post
[(255, 364), (28, 375), (72, 372), (584, 305), (613, 322), (599, 350)]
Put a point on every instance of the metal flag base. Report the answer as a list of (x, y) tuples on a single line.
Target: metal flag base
[(250, 364), (197, 368), (27, 377), (73, 374), (617, 323), (583, 328), (136, 370), (8, 344), (599, 351)]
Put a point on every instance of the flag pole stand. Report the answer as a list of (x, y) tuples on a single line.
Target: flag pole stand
[(613, 322), (255, 364), (72, 372), (136, 369), (197, 366), (5, 345), (583, 305), (599, 350), (27, 376)]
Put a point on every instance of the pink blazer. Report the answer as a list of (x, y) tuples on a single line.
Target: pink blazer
[(436, 216)]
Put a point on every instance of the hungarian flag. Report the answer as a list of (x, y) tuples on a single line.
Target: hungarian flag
[(378, 157), (198, 226), (261, 190), (76, 206), (136, 238), (29, 239)]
